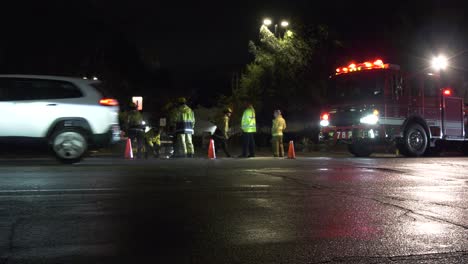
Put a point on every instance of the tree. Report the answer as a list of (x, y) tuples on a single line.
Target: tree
[(287, 72)]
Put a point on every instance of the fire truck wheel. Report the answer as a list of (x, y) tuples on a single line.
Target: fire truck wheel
[(415, 140), (360, 149)]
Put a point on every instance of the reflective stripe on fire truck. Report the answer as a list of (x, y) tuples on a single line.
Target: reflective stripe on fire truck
[(453, 125), (400, 121), (391, 121)]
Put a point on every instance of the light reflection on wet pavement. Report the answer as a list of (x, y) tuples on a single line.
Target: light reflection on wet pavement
[(309, 210)]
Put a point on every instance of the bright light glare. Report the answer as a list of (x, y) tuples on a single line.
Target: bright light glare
[(267, 22), (324, 123), (440, 63), (370, 119), (95, 78), (284, 23), (143, 122)]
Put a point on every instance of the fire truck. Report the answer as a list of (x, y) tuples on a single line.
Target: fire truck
[(374, 103)]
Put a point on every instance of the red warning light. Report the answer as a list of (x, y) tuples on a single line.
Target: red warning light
[(378, 63), (447, 92), (353, 67), (325, 117)]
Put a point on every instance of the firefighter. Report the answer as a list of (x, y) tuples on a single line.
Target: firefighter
[(184, 120), (277, 128), (221, 135), (152, 142), (171, 109), (249, 128), (132, 126)]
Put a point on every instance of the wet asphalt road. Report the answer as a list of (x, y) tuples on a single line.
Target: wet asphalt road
[(262, 210)]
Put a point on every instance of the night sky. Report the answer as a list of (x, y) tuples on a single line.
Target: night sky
[(191, 48)]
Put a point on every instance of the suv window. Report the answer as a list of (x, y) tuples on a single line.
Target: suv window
[(12, 89)]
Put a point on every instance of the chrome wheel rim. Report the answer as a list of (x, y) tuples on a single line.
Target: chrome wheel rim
[(69, 145), (416, 140)]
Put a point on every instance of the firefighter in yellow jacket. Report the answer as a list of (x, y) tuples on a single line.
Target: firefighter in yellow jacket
[(152, 142), (279, 125), (132, 124), (249, 128), (184, 120), (221, 134)]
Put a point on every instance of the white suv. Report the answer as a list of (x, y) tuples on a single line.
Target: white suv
[(70, 114)]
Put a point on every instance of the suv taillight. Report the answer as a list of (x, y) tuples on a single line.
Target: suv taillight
[(108, 102)]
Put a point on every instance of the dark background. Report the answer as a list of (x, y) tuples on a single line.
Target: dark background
[(164, 49)]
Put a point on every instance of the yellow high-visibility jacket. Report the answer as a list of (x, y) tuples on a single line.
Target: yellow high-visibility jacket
[(184, 120), (248, 121), (279, 125), (222, 123)]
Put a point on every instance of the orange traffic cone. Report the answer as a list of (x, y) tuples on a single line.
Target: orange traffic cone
[(211, 150), (128, 150), (291, 152)]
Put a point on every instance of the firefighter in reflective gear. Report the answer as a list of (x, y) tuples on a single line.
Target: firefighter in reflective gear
[(279, 125), (249, 128), (132, 126), (152, 142), (221, 135), (184, 120)]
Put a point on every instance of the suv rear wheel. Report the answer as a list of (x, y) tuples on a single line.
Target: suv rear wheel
[(69, 145)]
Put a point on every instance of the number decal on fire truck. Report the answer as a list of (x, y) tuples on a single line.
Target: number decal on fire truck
[(343, 134)]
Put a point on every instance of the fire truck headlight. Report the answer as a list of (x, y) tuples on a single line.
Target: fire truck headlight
[(324, 123), (370, 119)]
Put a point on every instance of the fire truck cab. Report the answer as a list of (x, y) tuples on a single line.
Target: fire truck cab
[(374, 103)]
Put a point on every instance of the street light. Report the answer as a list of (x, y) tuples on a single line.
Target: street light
[(267, 22), (439, 63)]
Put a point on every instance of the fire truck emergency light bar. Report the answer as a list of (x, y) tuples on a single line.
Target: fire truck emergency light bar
[(353, 67)]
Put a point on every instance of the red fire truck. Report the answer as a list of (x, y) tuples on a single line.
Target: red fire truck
[(374, 103)]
